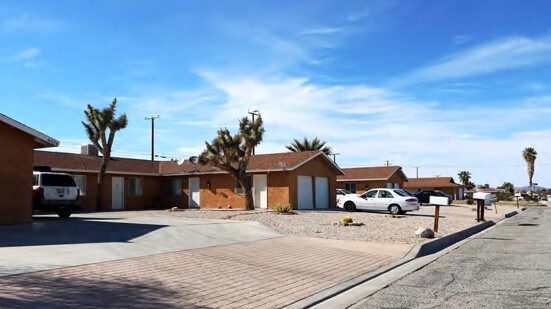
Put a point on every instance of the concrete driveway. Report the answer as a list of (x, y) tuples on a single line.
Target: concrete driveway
[(50, 242), (151, 260)]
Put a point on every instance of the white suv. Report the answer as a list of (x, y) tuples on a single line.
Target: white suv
[(55, 192)]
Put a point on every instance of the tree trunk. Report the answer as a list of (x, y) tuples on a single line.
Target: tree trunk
[(530, 176), (249, 202), (247, 188), (101, 178)]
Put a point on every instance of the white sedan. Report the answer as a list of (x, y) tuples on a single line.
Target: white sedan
[(395, 201)]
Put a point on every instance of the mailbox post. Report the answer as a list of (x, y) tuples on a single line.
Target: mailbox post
[(481, 199), (438, 201), (518, 195)]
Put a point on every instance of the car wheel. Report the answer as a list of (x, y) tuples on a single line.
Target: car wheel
[(394, 209), (64, 213), (349, 206)]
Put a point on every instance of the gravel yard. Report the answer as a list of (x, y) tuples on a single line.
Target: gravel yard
[(378, 227)]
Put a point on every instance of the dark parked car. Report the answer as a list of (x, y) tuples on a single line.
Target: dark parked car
[(424, 196)]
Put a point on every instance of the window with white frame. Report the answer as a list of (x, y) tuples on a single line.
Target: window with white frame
[(81, 183), (135, 186)]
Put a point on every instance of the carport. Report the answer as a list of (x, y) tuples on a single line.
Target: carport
[(19, 142)]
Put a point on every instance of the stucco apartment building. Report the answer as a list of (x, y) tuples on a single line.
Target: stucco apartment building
[(306, 180), (16, 171), (444, 184), (361, 179)]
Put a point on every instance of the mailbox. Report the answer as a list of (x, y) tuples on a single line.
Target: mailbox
[(439, 200), (482, 196)]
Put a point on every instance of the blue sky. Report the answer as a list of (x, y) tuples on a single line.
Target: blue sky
[(440, 85)]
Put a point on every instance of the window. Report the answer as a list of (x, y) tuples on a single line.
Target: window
[(36, 180), (81, 183), (403, 193), (238, 188), (57, 180), (135, 186), (176, 187), (370, 194), (350, 187), (385, 194)]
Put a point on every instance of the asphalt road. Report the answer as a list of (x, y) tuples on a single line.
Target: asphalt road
[(507, 267)]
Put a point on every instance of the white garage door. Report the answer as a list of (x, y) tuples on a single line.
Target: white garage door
[(305, 193), (322, 193)]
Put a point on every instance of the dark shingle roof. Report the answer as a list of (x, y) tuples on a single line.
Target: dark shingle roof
[(262, 162), (431, 182), (369, 173)]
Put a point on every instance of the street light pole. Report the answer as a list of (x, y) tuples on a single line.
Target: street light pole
[(334, 157), (254, 113), (152, 118)]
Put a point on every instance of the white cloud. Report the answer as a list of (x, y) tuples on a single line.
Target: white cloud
[(370, 125), (27, 57), (505, 54), (27, 23), (26, 54), (321, 31)]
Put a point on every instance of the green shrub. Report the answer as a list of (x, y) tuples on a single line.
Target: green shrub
[(503, 196), (283, 208), (470, 201)]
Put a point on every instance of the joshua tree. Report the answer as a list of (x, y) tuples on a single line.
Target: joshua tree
[(529, 154), (101, 126), (465, 178), (232, 153), (306, 145)]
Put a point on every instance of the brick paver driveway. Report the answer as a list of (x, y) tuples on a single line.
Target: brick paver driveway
[(267, 273)]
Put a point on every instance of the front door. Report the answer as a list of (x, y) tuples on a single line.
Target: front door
[(260, 187), (117, 193), (194, 196)]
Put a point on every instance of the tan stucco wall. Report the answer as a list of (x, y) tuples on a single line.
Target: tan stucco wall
[(282, 186), (318, 167), (221, 193), (16, 175)]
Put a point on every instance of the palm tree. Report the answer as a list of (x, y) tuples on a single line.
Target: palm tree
[(306, 145), (529, 154), (101, 126), (232, 153), (508, 187), (465, 178)]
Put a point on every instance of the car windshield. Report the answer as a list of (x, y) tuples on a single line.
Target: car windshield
[(439, 193), (345, 191), (403, 192), (57, 180)]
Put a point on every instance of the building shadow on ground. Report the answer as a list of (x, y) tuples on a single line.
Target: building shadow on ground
[(55, 231)]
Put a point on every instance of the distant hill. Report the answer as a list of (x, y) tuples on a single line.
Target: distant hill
[(527, 188)]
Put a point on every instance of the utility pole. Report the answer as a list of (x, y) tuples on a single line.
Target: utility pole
[(334, 157), (254, 113), (387, 162), (152, 118), (417, 172)]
